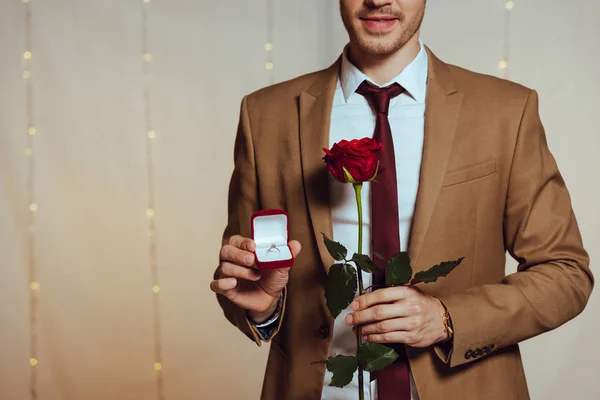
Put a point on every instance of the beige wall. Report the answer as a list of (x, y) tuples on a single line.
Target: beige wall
[(95, 329)]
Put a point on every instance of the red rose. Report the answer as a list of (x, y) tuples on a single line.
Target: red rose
[(359, 159)]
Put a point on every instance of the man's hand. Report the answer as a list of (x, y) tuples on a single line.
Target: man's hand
[(242, 283), (402, 314)]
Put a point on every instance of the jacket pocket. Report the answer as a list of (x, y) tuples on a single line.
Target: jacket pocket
[(470, 173)]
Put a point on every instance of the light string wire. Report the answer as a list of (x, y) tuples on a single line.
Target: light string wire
[(505, 62), (269, 44), (34, 286), (150, 211)]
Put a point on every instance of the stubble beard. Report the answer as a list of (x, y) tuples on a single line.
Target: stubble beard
[(376, 44)]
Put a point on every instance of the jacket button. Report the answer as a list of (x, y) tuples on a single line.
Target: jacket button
[(469, 354), (324, 331)]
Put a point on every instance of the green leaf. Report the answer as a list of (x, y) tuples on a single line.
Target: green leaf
[(343, 368), (398, 270), (340, 288), (375, 356), (337, 250), (437, 271), (364, 262)]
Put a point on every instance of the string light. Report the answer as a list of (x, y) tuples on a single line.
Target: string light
[(504, 63), (270, 33), (34, 285), (150, 210)]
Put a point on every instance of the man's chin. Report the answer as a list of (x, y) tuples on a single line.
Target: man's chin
[(378, 47)]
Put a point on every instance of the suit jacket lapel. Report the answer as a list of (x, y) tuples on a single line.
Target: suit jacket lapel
[(315, 119), (442, 108)]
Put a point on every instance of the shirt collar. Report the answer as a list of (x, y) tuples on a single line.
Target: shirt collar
[(413, 78)]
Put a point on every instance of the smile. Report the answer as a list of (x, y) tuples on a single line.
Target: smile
[(379, 24)]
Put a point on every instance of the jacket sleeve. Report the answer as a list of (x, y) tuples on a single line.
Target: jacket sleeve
[(243, 201), (553, 282)]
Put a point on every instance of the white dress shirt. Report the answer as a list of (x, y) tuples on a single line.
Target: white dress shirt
[(353, 118)]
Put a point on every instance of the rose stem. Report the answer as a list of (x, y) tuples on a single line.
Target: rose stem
[(357, 190)]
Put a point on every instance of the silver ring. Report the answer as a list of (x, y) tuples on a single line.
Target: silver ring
[(273, 247)]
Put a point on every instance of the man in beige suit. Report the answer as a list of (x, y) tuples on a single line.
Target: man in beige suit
[(487, 184)]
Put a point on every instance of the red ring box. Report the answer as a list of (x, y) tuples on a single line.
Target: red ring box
[(271, 227)]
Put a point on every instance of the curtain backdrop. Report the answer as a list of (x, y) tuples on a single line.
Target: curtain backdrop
[(95, 328)]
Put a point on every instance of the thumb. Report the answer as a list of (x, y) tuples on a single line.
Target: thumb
[(295, 247)]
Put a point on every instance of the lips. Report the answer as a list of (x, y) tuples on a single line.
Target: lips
[(379, 23)]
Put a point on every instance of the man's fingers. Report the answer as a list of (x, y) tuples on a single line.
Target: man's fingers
[(236, 271), (392, 325), (382, 296), (295, 247), (242, 243), (377, 313), (236, 255), (409, 338), (224, 286)]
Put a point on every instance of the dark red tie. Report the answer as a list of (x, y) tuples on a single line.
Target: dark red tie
[(392, 382)]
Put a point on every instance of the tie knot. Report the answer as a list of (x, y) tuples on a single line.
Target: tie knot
[(379, 97)]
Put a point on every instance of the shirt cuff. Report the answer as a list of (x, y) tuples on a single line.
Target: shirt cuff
[(266, 329)]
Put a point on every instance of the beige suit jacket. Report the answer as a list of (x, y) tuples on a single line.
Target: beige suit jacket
[(488, 186)]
